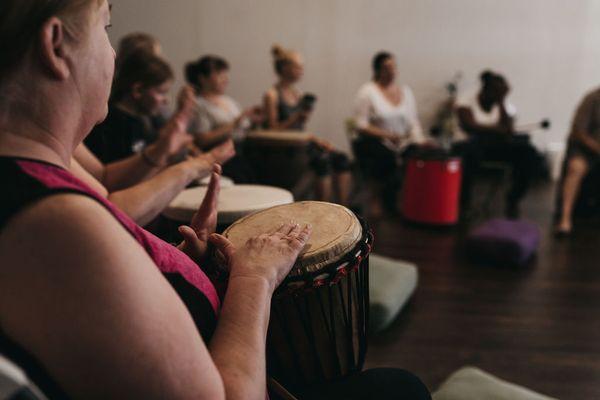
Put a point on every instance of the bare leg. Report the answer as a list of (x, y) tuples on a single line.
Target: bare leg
[(343, 185), (577, 167), (323, 188)]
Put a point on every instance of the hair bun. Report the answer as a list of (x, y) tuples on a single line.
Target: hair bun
[(278, 52), (486, 76)]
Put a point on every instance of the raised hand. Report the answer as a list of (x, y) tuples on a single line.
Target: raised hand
[(268, 256), (186, 100), (204, 221), (223, 152), (173, 138), (254, 114)]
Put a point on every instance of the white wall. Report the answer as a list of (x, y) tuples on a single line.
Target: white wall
[(548, 49)]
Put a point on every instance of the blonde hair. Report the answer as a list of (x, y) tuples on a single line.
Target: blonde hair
[(21, 20), (281, 57)]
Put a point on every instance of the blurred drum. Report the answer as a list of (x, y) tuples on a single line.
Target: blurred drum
[(225, 182), (234, 202), (319, 314), (278, 158), (431, 189)]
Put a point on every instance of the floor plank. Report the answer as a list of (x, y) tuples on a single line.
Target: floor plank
[(536, 326)]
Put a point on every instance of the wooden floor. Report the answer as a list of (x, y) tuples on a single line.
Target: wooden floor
[(538, 326)]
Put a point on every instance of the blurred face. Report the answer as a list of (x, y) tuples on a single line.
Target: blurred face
[(294, 69), (388, 70), (217, 82), (149, 101), (497, 91), (94, 63)]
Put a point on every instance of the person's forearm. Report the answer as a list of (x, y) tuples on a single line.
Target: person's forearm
[(206, 139), (124, 173), (238, 345), (374, 131), (588, 142), (145, 201)]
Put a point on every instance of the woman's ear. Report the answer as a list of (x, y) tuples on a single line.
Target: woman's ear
[(53, 50)]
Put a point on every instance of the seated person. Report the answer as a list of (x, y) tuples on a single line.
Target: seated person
[(486, 119), (285, 111), (386, 119), (583, 153), (139, 92), (217, 117), (135, 171), (92, 305)]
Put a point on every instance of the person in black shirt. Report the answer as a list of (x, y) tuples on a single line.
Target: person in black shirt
[(139, 92)]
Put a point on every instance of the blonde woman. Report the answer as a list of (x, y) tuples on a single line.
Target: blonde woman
[(288, 108)]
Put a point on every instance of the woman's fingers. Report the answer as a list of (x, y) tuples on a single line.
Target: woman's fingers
[(223, 245), (285, 228), (295, 230), (209, 203), (189, 235), (304, 234)]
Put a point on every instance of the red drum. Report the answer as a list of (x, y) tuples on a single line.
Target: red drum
[(431, 190)]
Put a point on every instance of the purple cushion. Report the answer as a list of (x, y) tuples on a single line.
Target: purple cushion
[(504, 241)]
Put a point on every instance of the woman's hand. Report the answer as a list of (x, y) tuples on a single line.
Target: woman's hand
[(186, 100), (223, 152), (254, 114), (268, 256), (204, 221), (172, 140), (201, 165)]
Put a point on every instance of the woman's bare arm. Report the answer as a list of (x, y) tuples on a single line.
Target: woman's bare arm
[(146, 200), (119, 174)]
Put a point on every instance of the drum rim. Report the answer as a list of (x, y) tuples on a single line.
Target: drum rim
[(331, 272), (318, 261), (184, 214)]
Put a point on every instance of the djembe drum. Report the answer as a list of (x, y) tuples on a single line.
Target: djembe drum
[(319, 314), (278, 158)]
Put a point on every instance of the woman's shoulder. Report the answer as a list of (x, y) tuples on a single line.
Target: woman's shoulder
[(367, 88), (272, 93)]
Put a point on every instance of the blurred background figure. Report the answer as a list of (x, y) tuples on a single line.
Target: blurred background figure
[(387, 121), (139, 92), (583, 153), (487, 133), (217, 117), (288, 108)]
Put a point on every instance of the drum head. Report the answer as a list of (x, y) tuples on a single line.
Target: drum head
[(283, 138), (335, 231), (234, 202), (225, 181)]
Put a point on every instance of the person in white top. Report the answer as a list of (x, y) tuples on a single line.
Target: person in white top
[(216, 117), (486, 121), (386, 119)]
